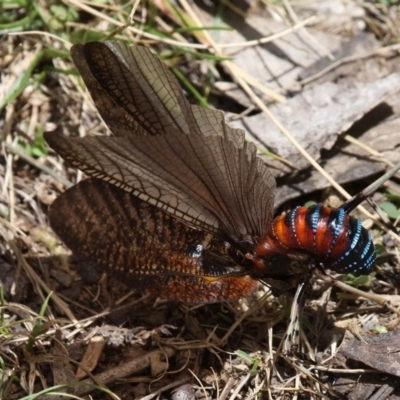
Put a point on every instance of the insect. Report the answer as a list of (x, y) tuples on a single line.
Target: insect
[(177, 203)]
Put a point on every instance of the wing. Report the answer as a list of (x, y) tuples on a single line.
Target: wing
[(181, 158), (145, 247)]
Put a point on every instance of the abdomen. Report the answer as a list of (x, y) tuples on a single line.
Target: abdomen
[(329, 235)]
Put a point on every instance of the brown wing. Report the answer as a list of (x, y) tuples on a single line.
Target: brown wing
[(123, 94), (146, 248), (182, 158)]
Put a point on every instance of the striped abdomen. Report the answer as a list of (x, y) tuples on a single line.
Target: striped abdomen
[(329, 235)]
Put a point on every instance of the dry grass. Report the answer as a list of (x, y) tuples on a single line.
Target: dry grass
[(54, 317)]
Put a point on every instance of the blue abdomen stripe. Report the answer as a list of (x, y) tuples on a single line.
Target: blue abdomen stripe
[(338, 225), (315, 217), (356, 236)]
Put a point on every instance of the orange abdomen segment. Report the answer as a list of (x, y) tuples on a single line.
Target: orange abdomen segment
[(331, 236)]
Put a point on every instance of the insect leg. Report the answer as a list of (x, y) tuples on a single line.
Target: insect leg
[(291, 340)]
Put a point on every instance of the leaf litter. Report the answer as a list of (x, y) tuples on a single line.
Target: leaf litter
[(159, 342)]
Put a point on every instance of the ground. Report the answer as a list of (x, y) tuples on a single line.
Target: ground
[(328, 72)]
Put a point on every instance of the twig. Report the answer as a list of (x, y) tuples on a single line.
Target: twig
[(123, 370), (350, 59), (376, 298), (36, 164)]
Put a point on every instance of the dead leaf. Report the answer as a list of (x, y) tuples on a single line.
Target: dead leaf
[(349, 164), (91, 357), (381, 352), (62, 369), (312, 118)]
